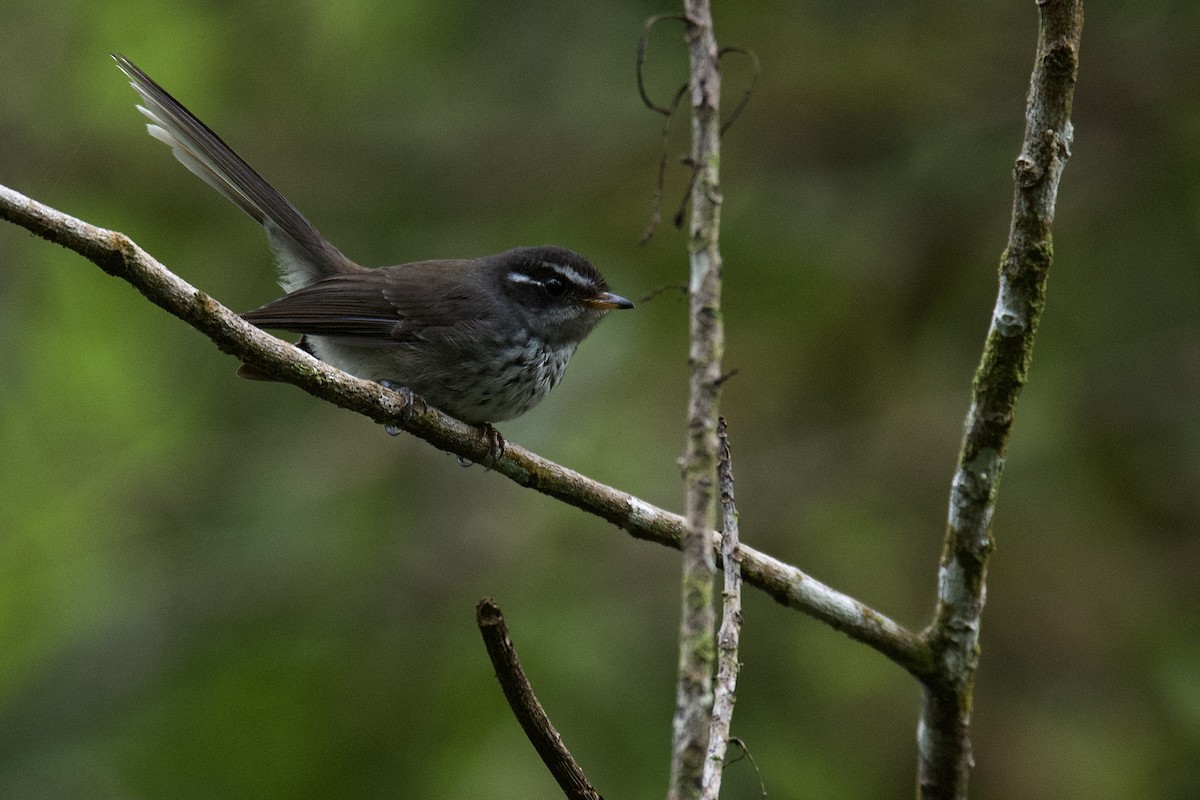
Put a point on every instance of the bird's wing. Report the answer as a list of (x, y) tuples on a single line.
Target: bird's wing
[(391, 305)]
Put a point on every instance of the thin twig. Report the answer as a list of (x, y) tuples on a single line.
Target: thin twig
[(660, 181), (681, 288), (119, 256), (944, 729), (725, 690), (667, 111), (755, 72), (528, 711), (746, 754), (693, 694), (643, 42)]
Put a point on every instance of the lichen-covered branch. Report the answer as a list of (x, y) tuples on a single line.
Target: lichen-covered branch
[(119, 256), (729, 636), (944, 730), (693, 701)]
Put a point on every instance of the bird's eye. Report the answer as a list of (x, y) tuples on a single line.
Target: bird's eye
[(554, 286)]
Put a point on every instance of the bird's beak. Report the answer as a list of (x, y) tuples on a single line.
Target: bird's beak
[(607, 301)]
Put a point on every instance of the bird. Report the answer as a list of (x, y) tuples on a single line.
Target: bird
[(483, 339)]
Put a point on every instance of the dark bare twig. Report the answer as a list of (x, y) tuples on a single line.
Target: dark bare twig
[(660, 181), (746, 754), (725, 376), (528, 711), (943, 733), (755, 72), (725, 691), (673, 287), (668, 111)]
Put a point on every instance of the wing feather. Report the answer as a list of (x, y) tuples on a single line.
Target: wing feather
[(380, 306)]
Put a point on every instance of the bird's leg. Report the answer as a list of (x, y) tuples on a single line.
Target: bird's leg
[(496, 444), (410, 404)]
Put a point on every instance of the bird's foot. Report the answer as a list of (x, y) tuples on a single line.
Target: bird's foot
[(496, 445), (411, 399)]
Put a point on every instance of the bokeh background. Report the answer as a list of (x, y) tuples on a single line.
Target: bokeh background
[(214, 588)]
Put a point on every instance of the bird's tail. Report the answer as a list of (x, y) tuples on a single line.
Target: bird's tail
[(304, 255)]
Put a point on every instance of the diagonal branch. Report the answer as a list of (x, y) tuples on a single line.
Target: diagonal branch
[(943, 733), (526, 707), (119, 256)]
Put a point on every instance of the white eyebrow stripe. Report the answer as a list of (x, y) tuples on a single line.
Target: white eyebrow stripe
[(570, 274), (565, 272), (521, 277)]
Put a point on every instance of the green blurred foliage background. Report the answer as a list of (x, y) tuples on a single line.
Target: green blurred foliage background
[(214, 588)]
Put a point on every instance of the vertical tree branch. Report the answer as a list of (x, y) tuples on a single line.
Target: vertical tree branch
[(725, 692), (696, 647), (943, 732)]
